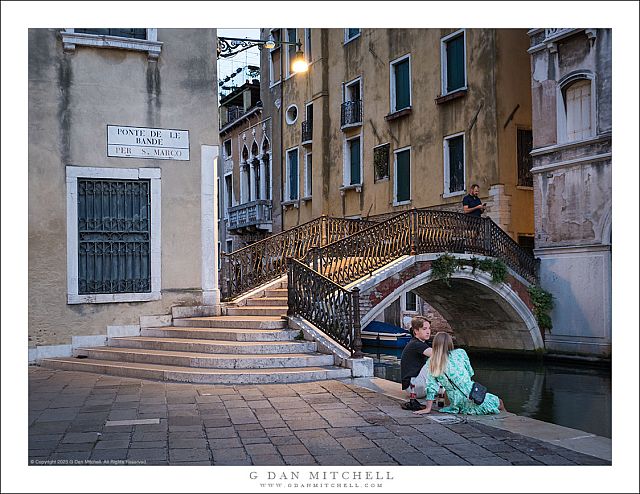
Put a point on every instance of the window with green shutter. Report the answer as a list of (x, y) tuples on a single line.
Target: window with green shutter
[(292, 159), (455, 72), (401, 76), (403, 175), (456, 164), (354, 160)]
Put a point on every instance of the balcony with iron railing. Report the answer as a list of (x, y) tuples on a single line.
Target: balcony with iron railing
[(307, 132), (254, 215), (351, 114)]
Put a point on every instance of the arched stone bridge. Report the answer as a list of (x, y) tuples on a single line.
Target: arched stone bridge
[(481, 313)]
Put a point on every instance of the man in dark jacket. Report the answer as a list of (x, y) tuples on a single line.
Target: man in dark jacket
[(414, 356)]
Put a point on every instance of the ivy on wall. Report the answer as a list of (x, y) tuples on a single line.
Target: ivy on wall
[(443, 267), (542, 302)]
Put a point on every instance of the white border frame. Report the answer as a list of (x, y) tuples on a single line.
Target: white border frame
[(561, 113), (226, 195), (287, 192), (445, 148), (224, 151), (288, 73), (308, 191), (286, 114), (443, 61), (395, 176), (72, 175), (346, 164), (307, 45), (392, 84), (151, 45), (272, 82)]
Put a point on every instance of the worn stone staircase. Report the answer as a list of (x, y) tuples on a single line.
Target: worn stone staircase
[(250, 344)]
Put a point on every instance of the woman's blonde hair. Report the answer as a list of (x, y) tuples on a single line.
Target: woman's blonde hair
[(442, 345)]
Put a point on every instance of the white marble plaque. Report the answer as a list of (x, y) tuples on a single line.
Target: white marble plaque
[(145, 142)]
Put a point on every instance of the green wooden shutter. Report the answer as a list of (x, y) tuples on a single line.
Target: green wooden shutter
[(401, 71), (403, 176), (293, 175), (456, 164), (455, 63), (354, 151)]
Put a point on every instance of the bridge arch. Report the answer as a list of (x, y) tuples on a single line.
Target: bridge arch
[(481, 313)]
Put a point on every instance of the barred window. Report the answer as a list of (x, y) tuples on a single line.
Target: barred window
[(121, 33), (525, 144), (381, 162)]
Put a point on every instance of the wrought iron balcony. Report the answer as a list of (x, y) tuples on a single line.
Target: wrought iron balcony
[(307, 132), (254, 215), (233, 114), (351, 113)]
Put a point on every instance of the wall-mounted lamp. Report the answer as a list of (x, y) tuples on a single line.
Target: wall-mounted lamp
[(228, 47)]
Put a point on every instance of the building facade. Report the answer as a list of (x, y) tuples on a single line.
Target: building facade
[(245, 168), (386, 120), (391, 119), (122, 148), (572, 127)]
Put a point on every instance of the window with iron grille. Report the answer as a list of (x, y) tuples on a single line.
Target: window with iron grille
[(525, 144), (381, 162), (114, 229), (121, 33)]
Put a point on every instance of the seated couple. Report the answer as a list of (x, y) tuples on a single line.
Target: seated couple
[(433, 364)]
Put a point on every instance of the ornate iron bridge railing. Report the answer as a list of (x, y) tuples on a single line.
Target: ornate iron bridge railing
[(407, 233), (326, 304), (266, 260)]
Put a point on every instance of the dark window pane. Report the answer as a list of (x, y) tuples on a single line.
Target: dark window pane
[(401, 71), (526, 242), (403, 179), (122, 33), (456, 164), (351, 32), (381, 162), (455, 63), (354, 156), (411, 302), (525, 144)]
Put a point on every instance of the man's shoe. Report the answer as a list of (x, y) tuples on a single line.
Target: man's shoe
[(413, 405)]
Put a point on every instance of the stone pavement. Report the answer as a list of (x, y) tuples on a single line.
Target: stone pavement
[(78, 418)]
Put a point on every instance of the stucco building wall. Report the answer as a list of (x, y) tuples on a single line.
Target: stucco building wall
[(73, 96)]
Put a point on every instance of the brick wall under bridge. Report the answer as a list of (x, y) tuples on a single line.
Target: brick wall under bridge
[(482, 314)]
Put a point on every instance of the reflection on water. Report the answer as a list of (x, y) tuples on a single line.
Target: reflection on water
[(572, 395)]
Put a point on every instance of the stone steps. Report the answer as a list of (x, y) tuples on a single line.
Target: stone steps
[(267, 301), (206, 360), (211, 346), (257, 311), (250, 344), (234, 322), (195, 375), (224, 334)]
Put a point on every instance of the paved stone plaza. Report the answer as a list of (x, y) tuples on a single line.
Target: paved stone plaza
[(85, 419)]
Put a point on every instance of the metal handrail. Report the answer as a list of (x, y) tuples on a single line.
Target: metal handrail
[(265, 260)]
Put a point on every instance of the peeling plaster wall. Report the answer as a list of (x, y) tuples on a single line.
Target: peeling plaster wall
[(572, 193)]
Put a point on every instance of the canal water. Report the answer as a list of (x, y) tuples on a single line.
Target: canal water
[(573, 395)]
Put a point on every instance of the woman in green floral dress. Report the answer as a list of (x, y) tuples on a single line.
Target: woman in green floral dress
[(447, 365)]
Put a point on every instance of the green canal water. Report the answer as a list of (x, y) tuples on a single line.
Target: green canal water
[(573, 395)]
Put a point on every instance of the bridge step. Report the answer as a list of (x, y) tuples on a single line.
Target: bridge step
[(235, 322), (206, 360), (257, 311), (211, 346), (267, 301), (224, 334), (204, 376), (276, 292)]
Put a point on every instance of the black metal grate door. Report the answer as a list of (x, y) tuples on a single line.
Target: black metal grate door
[(114, 221)]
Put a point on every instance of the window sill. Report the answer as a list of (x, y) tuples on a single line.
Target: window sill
[(351, 126), (401, 203), (345, 188), (381, 179), (291, 204), (454, 194), (398, 114), (307, 143), (347, 41), (107, 298), (458, 93), (304, 200), (524, 187), (70, 40)]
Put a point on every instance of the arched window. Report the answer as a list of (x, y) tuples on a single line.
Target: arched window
[(577, 102), (576, 108)]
